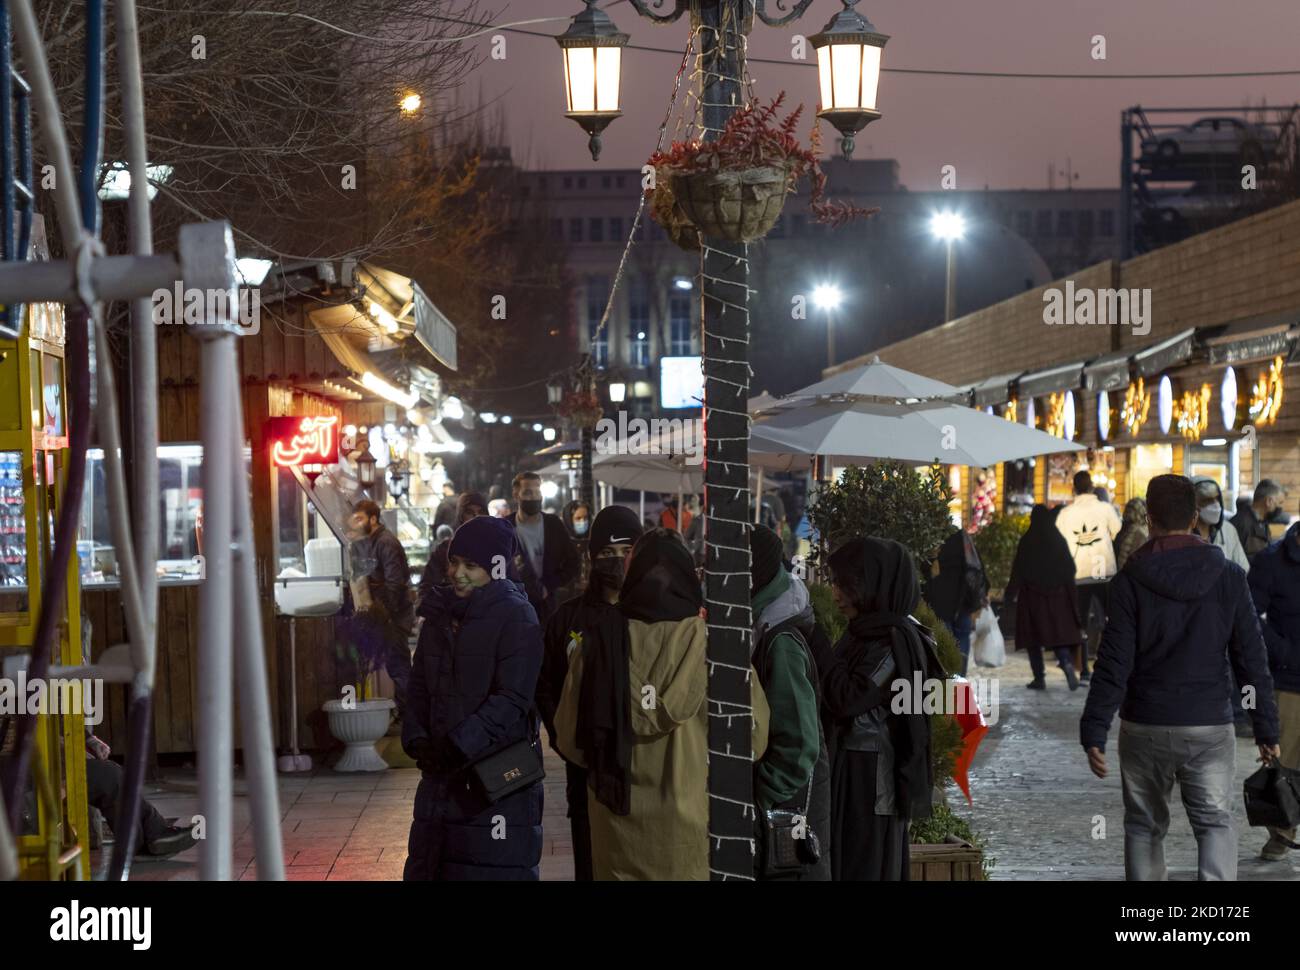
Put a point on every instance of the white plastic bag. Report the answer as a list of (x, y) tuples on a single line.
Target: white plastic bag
[(989, 648)]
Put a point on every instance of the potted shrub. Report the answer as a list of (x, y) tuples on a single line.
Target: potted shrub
[(886, 499), (734, 187), (359, 718), (945, 849)]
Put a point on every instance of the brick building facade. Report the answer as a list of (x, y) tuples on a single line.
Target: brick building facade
[(1228, 298)]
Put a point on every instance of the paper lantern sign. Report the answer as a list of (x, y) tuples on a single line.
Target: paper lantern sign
[(309, 440)]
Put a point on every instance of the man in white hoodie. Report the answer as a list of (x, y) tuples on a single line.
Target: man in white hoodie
[(1090, 526)]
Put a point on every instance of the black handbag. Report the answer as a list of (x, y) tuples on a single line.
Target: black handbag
[(787, 840), (507, 771), (1273, 798)]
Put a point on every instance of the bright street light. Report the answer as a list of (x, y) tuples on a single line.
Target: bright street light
[(827, 297), (948, 225), (410, 104)]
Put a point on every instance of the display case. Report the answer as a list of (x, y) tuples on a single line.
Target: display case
[(180, 498)]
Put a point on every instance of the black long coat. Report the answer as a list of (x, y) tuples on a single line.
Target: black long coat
[(472, 682)]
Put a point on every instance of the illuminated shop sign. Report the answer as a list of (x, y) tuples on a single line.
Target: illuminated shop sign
[(1137, 407), (1103, 415), (1266, 394), (310, 440), (1192, 413), (1060, 415)]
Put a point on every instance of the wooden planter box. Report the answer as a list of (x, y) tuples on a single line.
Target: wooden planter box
[(946, 862)]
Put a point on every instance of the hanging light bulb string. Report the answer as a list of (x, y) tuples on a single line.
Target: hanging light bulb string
[(640, 206)]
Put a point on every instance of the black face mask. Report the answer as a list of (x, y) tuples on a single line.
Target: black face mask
[(608, 573), (530, 506)]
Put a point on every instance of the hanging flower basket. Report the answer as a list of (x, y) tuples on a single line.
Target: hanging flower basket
[(738, 205), (583, 409), (734, 187)]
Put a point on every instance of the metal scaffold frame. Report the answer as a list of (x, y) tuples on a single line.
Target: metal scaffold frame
[(231, 643)]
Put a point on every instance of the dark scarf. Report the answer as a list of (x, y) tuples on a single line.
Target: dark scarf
[(660, 585), (892, 593), (1043, 556)]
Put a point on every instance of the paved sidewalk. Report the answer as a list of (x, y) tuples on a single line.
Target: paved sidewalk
[(340, 826), (1038, 806)]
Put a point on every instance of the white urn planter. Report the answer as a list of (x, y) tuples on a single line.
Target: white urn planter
[(359, 725)]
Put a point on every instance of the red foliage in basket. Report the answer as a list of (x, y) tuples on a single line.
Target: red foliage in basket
[(752, 138), (580, 406)]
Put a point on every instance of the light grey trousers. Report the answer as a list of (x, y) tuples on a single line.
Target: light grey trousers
[(1203, 761)]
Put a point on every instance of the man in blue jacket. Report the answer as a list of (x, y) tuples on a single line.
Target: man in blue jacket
[(1180, 618), (1275, 586)]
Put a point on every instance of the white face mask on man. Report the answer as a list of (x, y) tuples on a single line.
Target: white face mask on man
[(1211, 514)]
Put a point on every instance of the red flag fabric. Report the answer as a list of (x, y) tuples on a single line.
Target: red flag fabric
[(966, 709)]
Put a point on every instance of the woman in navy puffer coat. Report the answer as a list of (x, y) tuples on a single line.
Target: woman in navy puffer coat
[(471, 693)]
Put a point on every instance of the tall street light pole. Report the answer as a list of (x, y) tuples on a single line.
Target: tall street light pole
[(827, 297), (848, 51), (949, 227)]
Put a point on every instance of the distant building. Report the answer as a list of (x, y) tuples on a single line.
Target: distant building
[(891, 270)]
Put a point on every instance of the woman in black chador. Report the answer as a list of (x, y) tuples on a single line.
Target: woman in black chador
[(1042, 584), (881, 778)]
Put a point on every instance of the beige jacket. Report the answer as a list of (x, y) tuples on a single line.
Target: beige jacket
[(665, 836)]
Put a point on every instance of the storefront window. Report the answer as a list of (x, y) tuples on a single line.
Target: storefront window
[(1060, 478), (180, 499), (1217, 463), (1018, 477), (413, 527), (1148, 461)]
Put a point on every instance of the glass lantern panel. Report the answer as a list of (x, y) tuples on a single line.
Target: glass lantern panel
[(608, 65), (580, 78), (846, 75)]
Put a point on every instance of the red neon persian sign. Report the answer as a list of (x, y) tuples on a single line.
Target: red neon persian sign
[(311, 440)]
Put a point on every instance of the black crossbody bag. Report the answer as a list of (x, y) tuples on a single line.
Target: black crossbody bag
[(507, 770), (789, 843)]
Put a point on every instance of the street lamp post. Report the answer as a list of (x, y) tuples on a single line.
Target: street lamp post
[(949, 226), (827, 298), (848, 51)]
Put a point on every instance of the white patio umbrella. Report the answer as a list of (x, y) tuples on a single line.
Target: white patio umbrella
[(920, 432), (875, 379)]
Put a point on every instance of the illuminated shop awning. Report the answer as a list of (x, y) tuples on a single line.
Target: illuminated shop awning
[(1062, 377), (398, 302), (1168, 353), (994, 390), (347, 334), (1109, 372), (1255, 339)]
